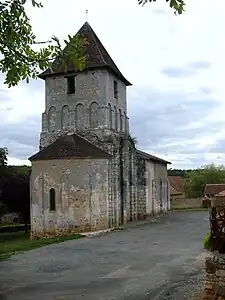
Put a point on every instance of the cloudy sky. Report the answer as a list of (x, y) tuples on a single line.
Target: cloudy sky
[(176, 64)]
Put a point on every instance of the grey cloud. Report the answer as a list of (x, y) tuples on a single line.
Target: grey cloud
[(162, 120), (206, 90), (219, 147), (187, 70), (178, 72), (21, 139), (199, 64)]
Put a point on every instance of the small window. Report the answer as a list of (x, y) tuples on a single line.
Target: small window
[(115, 90), (52, 199), (71, 85)]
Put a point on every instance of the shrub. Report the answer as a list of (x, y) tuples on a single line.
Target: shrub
[(208, 242)]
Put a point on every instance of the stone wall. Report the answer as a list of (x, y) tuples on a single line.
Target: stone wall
[(142, 188), (214, 285), (92, 106), (181, 202), (81, 196)]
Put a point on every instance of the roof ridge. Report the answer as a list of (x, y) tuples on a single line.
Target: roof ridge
[(96, 44)]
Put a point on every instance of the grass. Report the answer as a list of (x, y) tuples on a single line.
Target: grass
[(189, 209), (14, 242)]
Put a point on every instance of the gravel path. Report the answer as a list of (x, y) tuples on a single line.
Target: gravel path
[(163, 260)]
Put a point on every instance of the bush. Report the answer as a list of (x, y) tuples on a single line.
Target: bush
[(208, 242)]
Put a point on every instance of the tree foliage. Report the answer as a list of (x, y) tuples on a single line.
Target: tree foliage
[(23, 56), (176, 5), (195, 180), (3, 157), (14, 188), (20, 60)]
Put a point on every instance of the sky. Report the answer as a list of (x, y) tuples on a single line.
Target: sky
[(176, 64)]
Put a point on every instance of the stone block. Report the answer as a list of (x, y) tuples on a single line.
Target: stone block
[(208, 285), (220, 273)]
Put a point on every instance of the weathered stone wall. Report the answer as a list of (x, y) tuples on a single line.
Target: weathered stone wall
[(161, 180), (214, 286), (81, 188), (92, 106), (153, 192), (182, 202), (142, 188)]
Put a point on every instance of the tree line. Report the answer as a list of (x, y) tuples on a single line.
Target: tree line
[(14, 188), (195, 180)]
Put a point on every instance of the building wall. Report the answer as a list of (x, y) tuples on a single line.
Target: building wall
[(162, 195), (153, 191), (181, 202), (92, 106), (81, 188), (142, 188)]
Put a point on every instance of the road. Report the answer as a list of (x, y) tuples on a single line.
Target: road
[(160, 260)]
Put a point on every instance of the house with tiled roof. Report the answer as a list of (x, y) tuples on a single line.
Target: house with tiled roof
[(212, 189), (88, 174), (176, 187)]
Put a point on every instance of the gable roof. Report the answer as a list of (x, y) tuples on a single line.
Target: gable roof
[(177, 183), (151, 157), (72, 146), (213, 189), (96, 54)]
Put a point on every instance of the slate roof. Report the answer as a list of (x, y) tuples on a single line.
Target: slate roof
[(148, 156), (96, 54), (177, 183), (213, 189), (70, 146)]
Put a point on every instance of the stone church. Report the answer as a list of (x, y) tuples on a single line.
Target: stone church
[(88, 174)]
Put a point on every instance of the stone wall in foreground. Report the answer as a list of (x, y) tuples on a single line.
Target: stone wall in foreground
[(214, 286)]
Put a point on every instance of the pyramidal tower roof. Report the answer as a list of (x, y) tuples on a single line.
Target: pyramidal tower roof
[(96, 55)]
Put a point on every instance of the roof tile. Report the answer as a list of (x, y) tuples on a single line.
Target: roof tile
[(97, 56), (70, 146)]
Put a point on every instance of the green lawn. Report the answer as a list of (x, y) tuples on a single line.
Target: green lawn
[(12, 242)]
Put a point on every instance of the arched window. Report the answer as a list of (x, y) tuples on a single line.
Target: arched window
[(110, 116), (120, 121), (79, 116), (52, 119), (94, 115), (115, 119), (65, 117), (52, 199)]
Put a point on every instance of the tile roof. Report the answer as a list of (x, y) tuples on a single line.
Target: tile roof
[(70, 146), (96, 54), (221, 194), (148, 156), (213, 189), (177, 183), (174, 192)]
